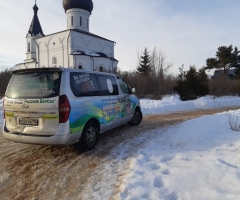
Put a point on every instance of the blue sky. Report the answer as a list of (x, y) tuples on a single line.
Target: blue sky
[(189, 31)]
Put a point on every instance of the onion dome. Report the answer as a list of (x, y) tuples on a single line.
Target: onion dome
[(81, 4)]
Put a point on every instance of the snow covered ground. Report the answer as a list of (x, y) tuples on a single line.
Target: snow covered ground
[(174, 104), (198, 159)]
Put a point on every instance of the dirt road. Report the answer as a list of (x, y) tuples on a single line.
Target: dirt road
[(45, 172)]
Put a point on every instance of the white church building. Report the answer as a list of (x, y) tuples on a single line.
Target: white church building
[(74, 48)]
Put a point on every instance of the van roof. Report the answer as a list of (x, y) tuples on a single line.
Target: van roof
[(16, 71)]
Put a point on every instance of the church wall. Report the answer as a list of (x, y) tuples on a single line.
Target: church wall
[(89, 43), (105, 63), (92, 63), (53, 50), (85, 61), (54, 53), (65, 52)]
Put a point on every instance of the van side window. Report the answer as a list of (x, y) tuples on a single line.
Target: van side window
[(124, 86), (108, 85), (84, 84)]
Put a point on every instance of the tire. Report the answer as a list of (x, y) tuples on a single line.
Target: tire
[(137, 117), (89, 136)]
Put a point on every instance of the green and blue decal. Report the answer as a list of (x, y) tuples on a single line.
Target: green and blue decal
[(105, 111)]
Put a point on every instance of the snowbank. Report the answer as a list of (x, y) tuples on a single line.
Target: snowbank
[(197, 159), (174, 104)]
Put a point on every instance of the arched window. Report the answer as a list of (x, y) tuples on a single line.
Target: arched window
[(101, 69), (72, 20), (80, 67), (29, 48), (80, 21), (54, 60)]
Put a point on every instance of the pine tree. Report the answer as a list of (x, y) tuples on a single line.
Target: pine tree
[(203, 87), (145, 67), (181, 87), (192, 84), (226, 58)]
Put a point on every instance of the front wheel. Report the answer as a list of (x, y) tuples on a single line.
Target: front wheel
[(137, 117), (89, 136)]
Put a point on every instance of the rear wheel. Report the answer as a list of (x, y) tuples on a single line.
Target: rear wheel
[(137, 117), (89, 136)]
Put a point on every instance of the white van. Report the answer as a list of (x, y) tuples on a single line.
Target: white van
[(56, 106)]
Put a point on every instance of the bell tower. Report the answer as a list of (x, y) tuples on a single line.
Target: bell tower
[(35, 31)]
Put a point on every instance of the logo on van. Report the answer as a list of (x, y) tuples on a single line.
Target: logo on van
[(41, 101), (55, 76), (31, 101), (25, 106)]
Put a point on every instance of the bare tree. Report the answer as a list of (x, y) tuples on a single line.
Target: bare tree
[(160, 66)]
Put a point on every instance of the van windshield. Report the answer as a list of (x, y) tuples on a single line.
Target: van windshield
[(34, 85)]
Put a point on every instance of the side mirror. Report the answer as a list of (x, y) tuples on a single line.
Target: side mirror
[(133, 90)]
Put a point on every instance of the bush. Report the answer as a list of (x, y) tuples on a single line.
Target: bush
[(192, 84), (151, 86), (219, 86), (234, 122)]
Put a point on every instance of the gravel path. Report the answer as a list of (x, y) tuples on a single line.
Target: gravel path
[(45, 172)]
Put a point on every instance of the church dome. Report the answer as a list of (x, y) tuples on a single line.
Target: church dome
[(82, 4)]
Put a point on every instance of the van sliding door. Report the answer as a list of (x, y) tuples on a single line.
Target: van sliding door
[(111, 105)]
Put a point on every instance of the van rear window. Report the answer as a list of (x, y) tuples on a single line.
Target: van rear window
[(34, 85)]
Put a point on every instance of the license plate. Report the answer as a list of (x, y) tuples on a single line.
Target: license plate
[(28, 121)]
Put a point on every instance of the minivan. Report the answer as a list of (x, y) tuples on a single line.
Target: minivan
[(60, 106)]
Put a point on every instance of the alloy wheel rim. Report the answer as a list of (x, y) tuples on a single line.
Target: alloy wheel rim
[(91, 136), (136, 117)]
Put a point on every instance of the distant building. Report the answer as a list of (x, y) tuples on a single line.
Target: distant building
[(231, 73), (75, 47)]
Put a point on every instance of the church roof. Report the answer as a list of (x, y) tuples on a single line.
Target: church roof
[(80, 31), (82, 4), (35, 27), (90, 34)]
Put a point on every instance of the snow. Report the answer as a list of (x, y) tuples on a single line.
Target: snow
[(87, 53), (92, 54), (174, 104), (197, 159)]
